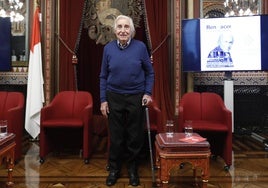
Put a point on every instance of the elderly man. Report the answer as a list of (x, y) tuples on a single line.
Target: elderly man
[(126, 82)]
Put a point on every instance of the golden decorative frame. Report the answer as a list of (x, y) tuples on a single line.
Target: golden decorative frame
[(100, 14)]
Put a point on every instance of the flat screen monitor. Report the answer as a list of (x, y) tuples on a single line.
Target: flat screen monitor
[(5, 44), (225, 44)]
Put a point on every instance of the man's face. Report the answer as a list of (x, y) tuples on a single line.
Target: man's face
[(122, 30), (226, 43)]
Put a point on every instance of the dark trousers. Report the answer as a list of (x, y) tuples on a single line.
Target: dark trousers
[(126, 126)]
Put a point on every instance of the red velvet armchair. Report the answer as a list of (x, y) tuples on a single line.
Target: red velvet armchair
[(155, 118), (12, 110), (68, 113), (211, 119)]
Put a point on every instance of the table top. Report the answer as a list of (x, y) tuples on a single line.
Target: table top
[(5, 140), (180, 140)]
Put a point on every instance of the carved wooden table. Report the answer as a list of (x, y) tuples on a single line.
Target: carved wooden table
[(172, 152), (7, 148)]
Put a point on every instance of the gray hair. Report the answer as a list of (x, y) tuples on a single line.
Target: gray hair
[(131, 24)]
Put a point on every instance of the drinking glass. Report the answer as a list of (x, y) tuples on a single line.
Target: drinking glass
[(169, 128), (188, 129), (3, 128)]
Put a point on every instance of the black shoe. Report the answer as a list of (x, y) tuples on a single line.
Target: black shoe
[(112, 178), (134, 179)]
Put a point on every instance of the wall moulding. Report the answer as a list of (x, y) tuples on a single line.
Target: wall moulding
[(239, 78)]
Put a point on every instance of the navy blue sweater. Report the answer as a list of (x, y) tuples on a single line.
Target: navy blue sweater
[(126, 71)]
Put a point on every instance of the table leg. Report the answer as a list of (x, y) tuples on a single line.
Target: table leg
[(205, 173), (204, 184), (10, 166), (194, 174), (164, 184)]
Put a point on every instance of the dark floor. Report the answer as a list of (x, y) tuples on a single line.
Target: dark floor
[(249, 169)]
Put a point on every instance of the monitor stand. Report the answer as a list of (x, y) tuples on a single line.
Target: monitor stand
[(229, 94)]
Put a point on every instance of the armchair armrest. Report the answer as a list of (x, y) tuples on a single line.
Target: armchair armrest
[(87, 115), (228, 118), (47, 112), (15, 119), (156, 117)]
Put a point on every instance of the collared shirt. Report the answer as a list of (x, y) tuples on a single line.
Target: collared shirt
[(121, 46)]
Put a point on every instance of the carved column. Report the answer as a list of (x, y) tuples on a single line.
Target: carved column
[(177, 49), (48, 18)]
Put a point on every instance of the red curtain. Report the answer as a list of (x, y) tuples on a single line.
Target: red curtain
[(70, 16), (89, 63), (89, 53), (156, 12)]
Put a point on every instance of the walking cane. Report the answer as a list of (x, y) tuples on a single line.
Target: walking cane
[(150, 142)]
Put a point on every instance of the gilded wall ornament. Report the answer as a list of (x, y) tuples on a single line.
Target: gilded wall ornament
[(100, 15)]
